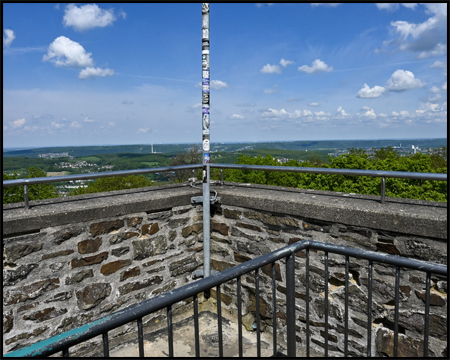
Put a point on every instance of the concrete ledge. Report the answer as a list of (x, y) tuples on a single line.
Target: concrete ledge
[(415, 217), (83, 208)]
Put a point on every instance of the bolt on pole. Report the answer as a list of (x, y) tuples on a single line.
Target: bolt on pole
[(206, 139)]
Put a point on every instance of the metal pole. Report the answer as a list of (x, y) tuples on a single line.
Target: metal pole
[(383, 190), (205, 139), (25, 195)]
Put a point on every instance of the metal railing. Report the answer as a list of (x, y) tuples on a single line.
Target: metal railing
[(63, 342), (331, 171)]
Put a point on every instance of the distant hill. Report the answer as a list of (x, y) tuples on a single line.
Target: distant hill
[(173, 149)]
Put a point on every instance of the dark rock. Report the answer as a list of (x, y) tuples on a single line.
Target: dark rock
[(239, 233), (216, 249), (90, 260), (241, 258), (156, 270), (387, 247), (267, 269), (62, 296), (159, 215), (12, 277), (407, 346), (181, 209), (45, 314), (249, 226), (79, 276), (264, 308), (149, 247), (174, 223), (150, 263), (225, 298), (182, 266), (89, 246), (194, 228), (56, 267), (150, 229), (72, 322), (56, 254), (435, 299), (130, 273), (334, 310), (27, 307), (219, 227), (8, 321), (31, 291), (331, 337), (252, 248), (92, 295), (165, 288), (132, 222), (387, 290), (298, 295), (220, 265), (331, 347), (231, 214), (15, 252), (106, 227), (127, 288), (172, 235), (24, 336), (66, 234), (120, 251), (112, 267), (129, 235)]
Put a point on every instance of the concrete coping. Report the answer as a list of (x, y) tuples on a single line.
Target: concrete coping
[(415, 217)]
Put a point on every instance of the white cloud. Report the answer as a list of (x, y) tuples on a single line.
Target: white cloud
[(411, 6), (435, 90), (87, 119), (317, 66), (272, 113), (368, 93), (313, 104), (9, 37), (440, 49), (111, 123), (56, 125), (144, 130), (91, 72), (387, 6), (16, 124), (271, 91), (370, 114), (65, 52), (321, 113), (260, 5), (439, 65), (382, 115), (285, 63), (237, 116), (217, 84), (75, 125), (403, 80), (444, 86), (270, 69), (341, 111), (87, 17)]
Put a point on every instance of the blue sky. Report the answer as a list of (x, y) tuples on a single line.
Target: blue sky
[(85, 74)]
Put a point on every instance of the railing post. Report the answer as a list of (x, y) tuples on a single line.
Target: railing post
[(383, 189), (221, 177), (290, 305), (25, 194)]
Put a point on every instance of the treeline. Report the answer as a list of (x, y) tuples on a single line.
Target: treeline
[(381, 159), (435, 161)]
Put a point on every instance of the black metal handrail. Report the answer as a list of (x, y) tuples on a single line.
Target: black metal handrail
[(331, 171), (135, 312)]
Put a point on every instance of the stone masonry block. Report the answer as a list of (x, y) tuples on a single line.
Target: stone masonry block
[(112, 267), (92, 295), (90, 260), (106, 227), (89, 246)]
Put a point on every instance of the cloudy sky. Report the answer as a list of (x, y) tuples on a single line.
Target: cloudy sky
[(85, 74)]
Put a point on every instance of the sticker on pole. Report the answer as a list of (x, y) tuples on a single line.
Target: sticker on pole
[(206, 145), (205, 109), (205, 98), (206, 158), (205, 82), (205, 44), (205, 34), (205, 61), (205, 121), (205, 131), (205, 7), (205, 74)]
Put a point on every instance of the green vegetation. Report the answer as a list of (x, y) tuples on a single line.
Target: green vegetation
[(383, 159), (113, 183), (14, 194)]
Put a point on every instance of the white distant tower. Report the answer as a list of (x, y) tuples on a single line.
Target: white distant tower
[(152, 148), (414, 149)]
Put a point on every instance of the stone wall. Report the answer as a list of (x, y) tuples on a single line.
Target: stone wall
[(67, 262)]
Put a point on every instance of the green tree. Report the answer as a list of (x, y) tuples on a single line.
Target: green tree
[(35, 192), (113, 183)]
